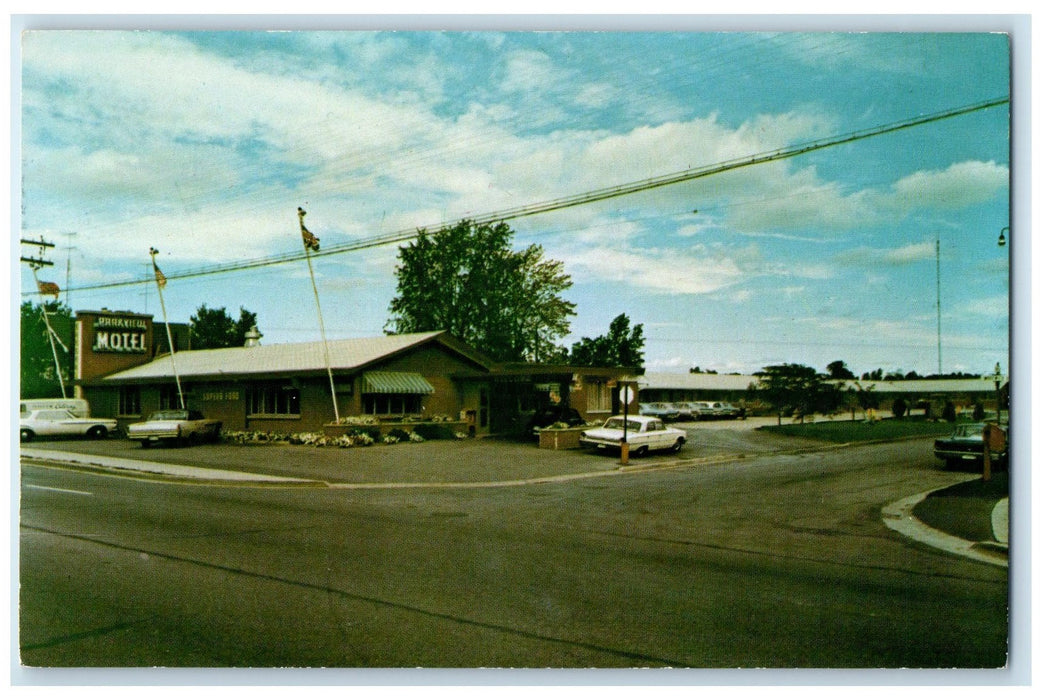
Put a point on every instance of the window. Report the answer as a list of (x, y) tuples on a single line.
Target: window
[(129, 401), (168, 397), (598, 396), (392, 404), (273, 400)]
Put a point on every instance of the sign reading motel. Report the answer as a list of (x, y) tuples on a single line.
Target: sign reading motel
[(120, 334)]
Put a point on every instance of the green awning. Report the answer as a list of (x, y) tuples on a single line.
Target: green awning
[(395, 383)]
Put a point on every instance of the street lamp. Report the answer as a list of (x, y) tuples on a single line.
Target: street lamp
[(998, 393), (1002, 236)]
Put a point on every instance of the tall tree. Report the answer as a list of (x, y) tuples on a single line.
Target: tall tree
[(838, 370), (796, 388), (467, 280), (621, 347), (214, 328), (38, 375)]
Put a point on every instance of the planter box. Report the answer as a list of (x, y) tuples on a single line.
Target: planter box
[(385, 427), (560, 439)]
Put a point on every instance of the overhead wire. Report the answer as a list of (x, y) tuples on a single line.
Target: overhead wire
[(580, 199)]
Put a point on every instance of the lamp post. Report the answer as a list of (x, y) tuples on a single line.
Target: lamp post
[(998, 393)]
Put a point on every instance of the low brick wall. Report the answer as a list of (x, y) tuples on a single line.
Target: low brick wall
[(560, 439)]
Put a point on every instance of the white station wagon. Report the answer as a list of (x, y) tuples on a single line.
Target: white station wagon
[(643, 434), (54, 422)]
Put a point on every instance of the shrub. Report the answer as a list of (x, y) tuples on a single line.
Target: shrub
[(900, 408), (434, 431), (948, 414), (397, 435), (370, 432)]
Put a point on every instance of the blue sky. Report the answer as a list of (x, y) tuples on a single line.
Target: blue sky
[(203, 144)]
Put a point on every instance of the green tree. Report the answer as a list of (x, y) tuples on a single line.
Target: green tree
[(38, 375), (838, 370), (621, 347), (796, 388), (467, 280), (214, 328), (863, 397)]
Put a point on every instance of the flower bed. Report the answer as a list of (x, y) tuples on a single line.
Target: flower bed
[(356, 433)]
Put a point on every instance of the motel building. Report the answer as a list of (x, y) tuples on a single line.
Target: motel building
[(123, 367)]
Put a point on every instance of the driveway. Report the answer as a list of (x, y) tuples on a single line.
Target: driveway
[(472, 461)]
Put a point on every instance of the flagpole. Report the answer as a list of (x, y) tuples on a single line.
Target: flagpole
[(51, 335), (310, 241), (169, 336)]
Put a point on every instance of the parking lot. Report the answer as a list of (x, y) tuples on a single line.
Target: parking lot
[(470, 461)]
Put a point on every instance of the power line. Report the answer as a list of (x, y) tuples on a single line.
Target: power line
[(581, 199)]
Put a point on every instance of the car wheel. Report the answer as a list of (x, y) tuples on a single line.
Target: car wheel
[(641, 451), (676, 446), (146, 444), (26, 435), (97, 432)]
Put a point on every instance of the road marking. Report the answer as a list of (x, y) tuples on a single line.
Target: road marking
[(53, 488)]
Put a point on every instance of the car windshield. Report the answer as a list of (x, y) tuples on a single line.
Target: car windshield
[(618, 424), (169, 415), (973, 430)]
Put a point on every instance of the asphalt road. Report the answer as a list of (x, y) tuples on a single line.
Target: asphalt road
[(772, 561)]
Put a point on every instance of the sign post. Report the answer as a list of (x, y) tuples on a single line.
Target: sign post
[(625, 396)]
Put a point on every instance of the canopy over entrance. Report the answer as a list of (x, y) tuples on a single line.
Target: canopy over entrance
[(395, 383)]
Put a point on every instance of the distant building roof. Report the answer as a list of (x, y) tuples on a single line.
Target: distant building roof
[(695, 381), (740, 382), (351, 354)]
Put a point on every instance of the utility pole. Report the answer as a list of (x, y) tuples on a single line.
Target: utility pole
[(46, 289)]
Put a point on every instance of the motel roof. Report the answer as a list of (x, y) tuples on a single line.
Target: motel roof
[(290, 358)]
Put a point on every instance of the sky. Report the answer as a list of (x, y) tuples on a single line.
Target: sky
[(202, 144)]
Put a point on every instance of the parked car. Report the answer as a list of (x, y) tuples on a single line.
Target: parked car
[(643, 434), (966, 444), (175, 425), (55, 422), (686, 410), (665, 411), (720, 409)]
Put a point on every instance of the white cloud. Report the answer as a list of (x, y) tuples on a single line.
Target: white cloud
[(654, 270), (958, 186)]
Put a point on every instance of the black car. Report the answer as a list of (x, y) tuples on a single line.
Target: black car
[(966, 444), (550, 415)]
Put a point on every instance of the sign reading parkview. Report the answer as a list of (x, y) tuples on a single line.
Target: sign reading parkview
[(119, 334)]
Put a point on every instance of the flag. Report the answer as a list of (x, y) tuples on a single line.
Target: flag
[(160, 277), (310, 239), (48, 289)]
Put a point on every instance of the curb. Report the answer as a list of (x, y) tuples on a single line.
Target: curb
[(898, 517), (131, 467)]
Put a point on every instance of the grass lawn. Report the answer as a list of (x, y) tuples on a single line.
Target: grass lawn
[(859, 431)]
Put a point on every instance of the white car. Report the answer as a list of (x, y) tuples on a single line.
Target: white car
[(54, 422), (175, 425), (643, 434)]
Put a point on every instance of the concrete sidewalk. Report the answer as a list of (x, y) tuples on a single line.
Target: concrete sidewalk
[(994, 549), (175, 471)]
